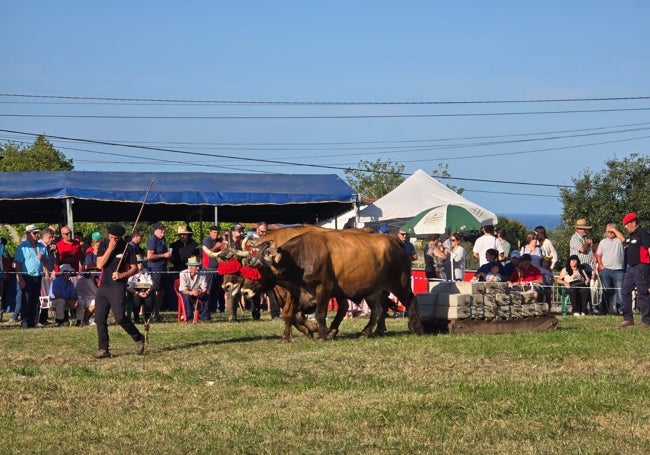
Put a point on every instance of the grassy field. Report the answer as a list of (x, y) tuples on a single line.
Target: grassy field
[(235, 388)]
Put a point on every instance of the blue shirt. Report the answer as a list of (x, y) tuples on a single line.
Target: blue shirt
[(27, 256), (62, 288), (158, 246)]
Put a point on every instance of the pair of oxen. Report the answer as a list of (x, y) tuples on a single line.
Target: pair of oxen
[(306, 266)]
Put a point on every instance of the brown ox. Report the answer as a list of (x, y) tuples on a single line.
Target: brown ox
[(293, 313), (343, 264)]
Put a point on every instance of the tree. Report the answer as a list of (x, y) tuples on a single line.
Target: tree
[(605, 197), (374, 180), (40, 156)]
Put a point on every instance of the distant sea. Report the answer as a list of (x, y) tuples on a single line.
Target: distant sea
[(531, 220)]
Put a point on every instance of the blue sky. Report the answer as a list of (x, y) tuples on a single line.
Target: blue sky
[(336, 52)]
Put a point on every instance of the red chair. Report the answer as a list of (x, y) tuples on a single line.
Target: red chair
[(182, 317)]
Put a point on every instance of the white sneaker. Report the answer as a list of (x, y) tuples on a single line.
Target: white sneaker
[(576, 315)]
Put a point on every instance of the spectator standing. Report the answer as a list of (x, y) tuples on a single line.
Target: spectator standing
[(79, 237), (580, 245), (212, 244), (502, 236), (182, 249), (29, 259), (402, 236), (134, 242), (434, 258), (611, 264), (90, 261), (111, 292), (485, 242), (548, 278), (546, 245), (69, 250), (637, 276), (456, 257), (49, 265), (531, 247), (157, 262)]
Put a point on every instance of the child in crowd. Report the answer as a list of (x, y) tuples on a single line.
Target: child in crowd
[(494, 275)]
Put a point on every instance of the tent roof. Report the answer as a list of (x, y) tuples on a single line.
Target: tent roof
[(417, 193), (117, 196)]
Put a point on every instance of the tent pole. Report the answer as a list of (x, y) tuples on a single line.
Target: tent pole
[(69, 219), (216, 215)]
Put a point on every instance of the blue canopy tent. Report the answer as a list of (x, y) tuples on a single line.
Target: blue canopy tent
[(27, 197)]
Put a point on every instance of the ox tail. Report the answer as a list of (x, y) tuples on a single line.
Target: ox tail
[(415, 323)]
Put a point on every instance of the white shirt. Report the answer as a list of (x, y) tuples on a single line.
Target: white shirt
[(484, 243)]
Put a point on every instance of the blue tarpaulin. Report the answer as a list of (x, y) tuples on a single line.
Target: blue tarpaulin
[(117, 196)]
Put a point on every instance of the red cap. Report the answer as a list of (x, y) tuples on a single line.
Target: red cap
[(629, 218)]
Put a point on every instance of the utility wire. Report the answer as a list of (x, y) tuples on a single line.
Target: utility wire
[(322, 103), (276, 162), (317, 117)]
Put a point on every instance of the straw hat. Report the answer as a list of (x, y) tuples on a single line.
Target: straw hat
[(582, 224), (183, 229), (193, 261)]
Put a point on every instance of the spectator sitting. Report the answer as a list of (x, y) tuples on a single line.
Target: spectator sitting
[(193, 288), (575, 279), (64, 295), (526, 277), (511, 266), (493, 275), (140, 286), (491, 256), (86, 289)]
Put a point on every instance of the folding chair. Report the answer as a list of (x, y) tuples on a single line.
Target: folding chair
[(45, 299), (182, 317)]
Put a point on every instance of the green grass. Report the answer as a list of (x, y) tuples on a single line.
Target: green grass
[(235, 388)]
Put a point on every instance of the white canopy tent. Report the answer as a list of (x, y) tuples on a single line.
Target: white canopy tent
[(418, 192)]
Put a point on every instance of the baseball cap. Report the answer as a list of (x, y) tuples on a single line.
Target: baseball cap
[(32, 228), (629, 218), (158, 226), (238, 227), (383, 229)]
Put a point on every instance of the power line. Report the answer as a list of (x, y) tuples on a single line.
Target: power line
[(322, 103), (317, 117), (277, 162)]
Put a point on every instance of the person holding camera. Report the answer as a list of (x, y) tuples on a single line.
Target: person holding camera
[(582, 246)]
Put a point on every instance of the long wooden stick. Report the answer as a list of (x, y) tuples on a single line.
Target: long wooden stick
[(135, 225)]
